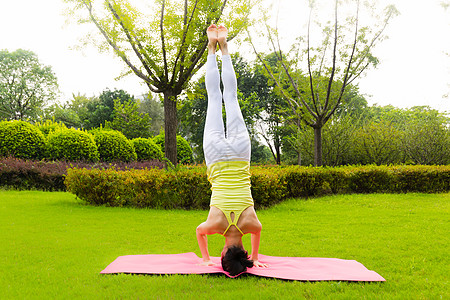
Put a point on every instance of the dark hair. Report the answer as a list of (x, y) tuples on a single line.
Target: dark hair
[(235, 260)]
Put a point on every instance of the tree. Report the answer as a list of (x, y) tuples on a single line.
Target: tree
[(378, 143), (26, 85), (427, 136), (271, 125), (338, 141), (61, 113), (97, 111), (164, 46), (343, 54), (128, 120)]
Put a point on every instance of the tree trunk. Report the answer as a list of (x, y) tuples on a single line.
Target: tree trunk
[(277, 145), (170, 126), (318, 146)]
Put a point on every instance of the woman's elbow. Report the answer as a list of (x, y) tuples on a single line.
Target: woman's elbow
[(258, 227), (200, 230)]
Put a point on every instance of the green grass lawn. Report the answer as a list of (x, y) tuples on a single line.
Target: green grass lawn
[(52, 246)]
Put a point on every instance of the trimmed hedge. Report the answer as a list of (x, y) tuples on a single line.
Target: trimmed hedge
[(71, 144), (113, 146), (49, 176), (184, 150), (147, 149), (49, 126), (22, 140), (188, 187)]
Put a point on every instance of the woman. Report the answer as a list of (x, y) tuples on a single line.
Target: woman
[(228, 162)]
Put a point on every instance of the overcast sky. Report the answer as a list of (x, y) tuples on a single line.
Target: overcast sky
[(414, 68)]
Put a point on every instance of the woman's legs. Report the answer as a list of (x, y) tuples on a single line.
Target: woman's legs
[(237, 134), (214, 129), (236, 146)]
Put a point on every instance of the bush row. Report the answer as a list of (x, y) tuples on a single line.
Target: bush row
[(23, 174), (188, 187), (50, 140)]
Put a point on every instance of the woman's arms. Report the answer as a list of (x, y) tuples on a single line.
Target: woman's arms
[(202, 231), (256, 237)]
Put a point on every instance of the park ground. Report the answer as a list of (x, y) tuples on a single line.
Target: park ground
[(53, 247)]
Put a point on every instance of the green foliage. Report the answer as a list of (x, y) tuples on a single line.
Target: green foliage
[(113, 146), (188, 187), (427, 139), (147, 149), (141, 188), (184, 150), (268, 186), (128, 120), (72, 145), (62, 113), (48, 126), (338, 141), (97, 111), (379, 143), (26, 85), (260, 154), (304, 182), (380, 135), (22, 140), (152, 106)]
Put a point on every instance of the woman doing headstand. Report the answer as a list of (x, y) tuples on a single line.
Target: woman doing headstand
[(228, 166)]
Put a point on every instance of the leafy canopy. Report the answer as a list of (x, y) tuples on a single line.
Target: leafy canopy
[(26, 85)]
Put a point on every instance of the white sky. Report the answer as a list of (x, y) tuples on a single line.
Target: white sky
[(414, 68)]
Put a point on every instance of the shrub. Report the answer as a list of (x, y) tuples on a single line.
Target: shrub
[(26, 174), (268, 186), (427, 142), (184, 150), (378, 143), (49, 126), (22, 140), (72, 145), (304, 181), (423, 179), (49, 176), (372, 179), (188, 187), (147, 149), (114, 146)]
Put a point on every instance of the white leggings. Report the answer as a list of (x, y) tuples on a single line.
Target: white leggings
[(236, 144)]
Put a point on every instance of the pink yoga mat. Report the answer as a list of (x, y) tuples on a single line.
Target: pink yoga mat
[(290, 268)]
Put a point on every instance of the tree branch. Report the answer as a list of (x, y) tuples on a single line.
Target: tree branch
[(163, 43), (292, 103), (372, 44), (311, 85), (333, 69), (88, 5), (183, 40), (347, 71), (133, 43), (198, 53)]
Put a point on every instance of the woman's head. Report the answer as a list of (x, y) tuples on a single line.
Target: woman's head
[(235, 260)]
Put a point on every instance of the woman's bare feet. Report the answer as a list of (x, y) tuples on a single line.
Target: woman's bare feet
[(212, 34), (222, 33)]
